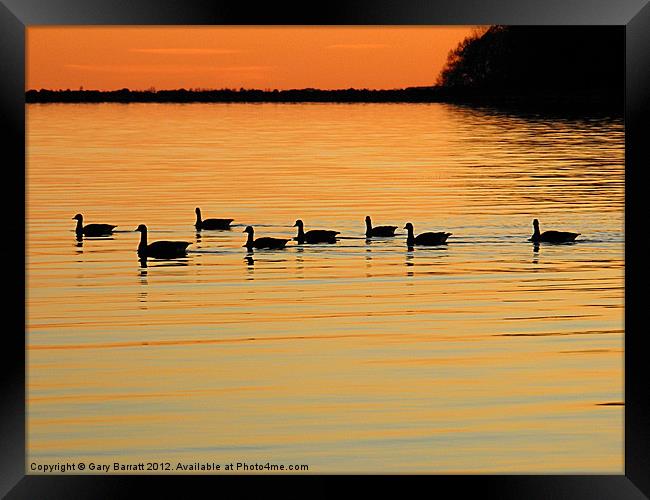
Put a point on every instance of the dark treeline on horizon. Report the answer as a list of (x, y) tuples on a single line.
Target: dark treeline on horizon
[(540, 101), (545, 68), (417, 94)]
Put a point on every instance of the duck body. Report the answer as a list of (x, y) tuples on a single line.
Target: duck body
[(379, 230), (428, 239), (97, 229), (314, 235), (318, 236), (92, 229), (160, 249), (551, 236), (263, 242), (211, 223)]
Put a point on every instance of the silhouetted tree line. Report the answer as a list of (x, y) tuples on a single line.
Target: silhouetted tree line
[(586, 62), (413, 94), (546, 68)]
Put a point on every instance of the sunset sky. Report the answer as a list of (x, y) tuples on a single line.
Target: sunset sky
[(108, 58)]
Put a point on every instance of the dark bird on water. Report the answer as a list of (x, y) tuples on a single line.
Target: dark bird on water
[(92, 229), (264, 242), (425, 238), (160, 249), (379, 230), (314, 235), (551, 236), (210, 223)]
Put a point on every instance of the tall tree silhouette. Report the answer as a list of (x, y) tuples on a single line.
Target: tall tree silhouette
[(525, 60)]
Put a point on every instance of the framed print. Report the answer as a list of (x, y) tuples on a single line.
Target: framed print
[(379, 240)]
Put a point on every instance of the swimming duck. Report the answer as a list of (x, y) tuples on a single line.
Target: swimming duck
[(315, 235), (551, 236), (160, 249), (379, 230), (92, 229), (210, 223), (264, 242), (425, 238)]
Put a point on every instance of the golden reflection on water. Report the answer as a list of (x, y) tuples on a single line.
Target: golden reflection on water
[(484, 355)]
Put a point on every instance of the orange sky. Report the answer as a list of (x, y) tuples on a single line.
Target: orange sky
[(234, 57)]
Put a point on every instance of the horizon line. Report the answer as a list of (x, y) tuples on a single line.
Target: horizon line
[(153, 89)]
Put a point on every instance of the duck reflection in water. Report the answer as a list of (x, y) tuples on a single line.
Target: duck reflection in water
[(143, 293), (250, 265), (536, 252), (409, 261), (156, 262), (300, 262), (368, 252)]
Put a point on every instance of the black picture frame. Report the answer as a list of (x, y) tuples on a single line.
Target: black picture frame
[(16, 15)]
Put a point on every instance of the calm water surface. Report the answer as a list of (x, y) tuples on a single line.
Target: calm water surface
[(484, 355)]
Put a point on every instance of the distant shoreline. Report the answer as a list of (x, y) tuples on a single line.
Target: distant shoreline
[(571, 102)]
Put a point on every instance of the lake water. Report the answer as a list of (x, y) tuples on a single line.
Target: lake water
[(484, 355)]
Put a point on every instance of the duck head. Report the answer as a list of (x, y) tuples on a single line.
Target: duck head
[(78, 217), (141, 228), (409, 226), (249, 230), (536, 234), (298, 223)]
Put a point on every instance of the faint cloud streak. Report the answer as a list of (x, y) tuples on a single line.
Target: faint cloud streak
[(358, 46), (166, 68), (185, 51)]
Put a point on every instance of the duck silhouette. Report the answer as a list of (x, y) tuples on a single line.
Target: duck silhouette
[(379, 230), (314, 235), (160, 249), (264, 242), (210, 223), (92, 229), (551, 236), (425, 238)]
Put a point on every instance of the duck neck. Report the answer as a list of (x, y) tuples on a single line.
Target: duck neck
[(410, 239), (249, 241), (301, 233), (368, 227), (142, 247), (80, 226), (535, 233), (198, 218)]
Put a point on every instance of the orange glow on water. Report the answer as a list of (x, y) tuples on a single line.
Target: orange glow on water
[(483, 356)]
